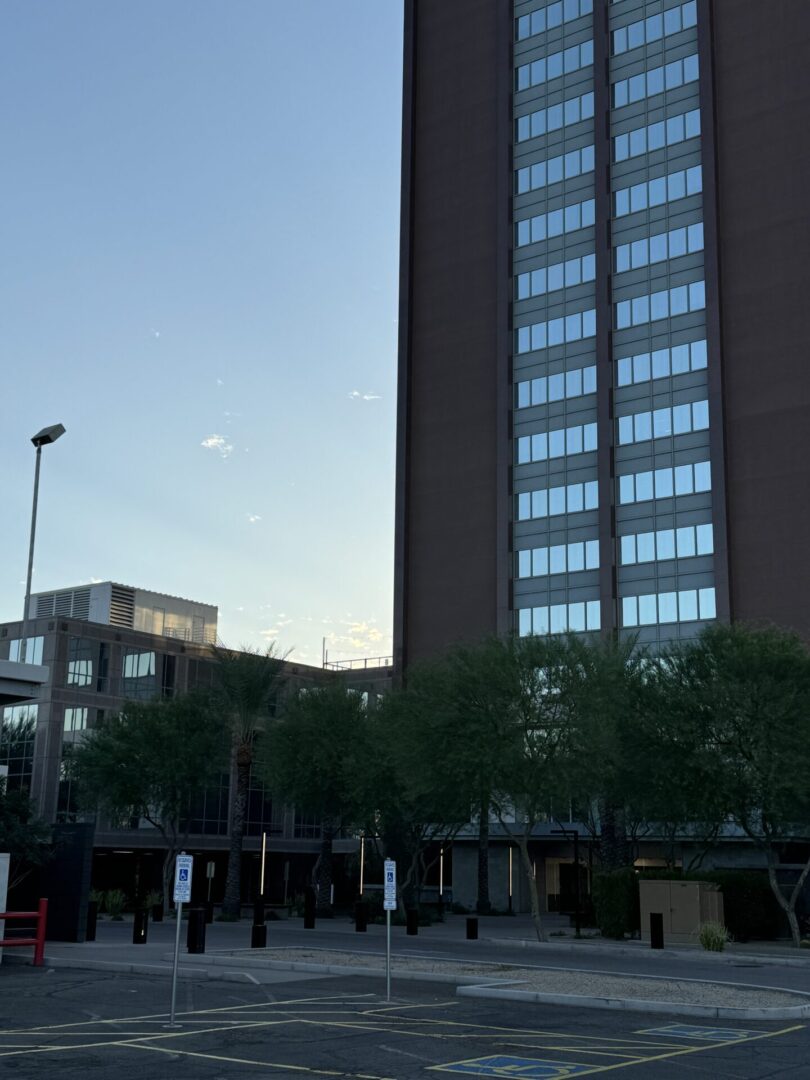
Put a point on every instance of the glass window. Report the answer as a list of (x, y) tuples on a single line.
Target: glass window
[(555, 278), (557, 561), (576, 617), (658, 191), (659, 305), (620, 40), (663, 483), (645, 547), (80, 661), (676, 185), (628, 546), (695, 236), (28, 651), (693, 123), (576, 558), (559, 618), (690, 68), (665, 544), (523, 233), (593, 615), (662, 423), (556, 443), (572, 217), (539, 504), (694, 180), (680, 359), (539, 446), (683, 480), (622, 199), (524, 562), (622, 258), (524, 506), (539, 391), (647, 613), (621, 147), (639, 253), (658, 248), (686, 542), (556, 387), (629, 611), (575, 499), (589, 437), (540, 562), (571, 110), (673, 75), (678, 301), (700, 415), (644, 486), (589, 323), (655, 81), (626, 489), (573, 440), (591, 495), (588, 212), (656, 136), (573, 383), (538, 336), (589, 380), (638, 197), (75, 719), (705, 539), (557, 500), (641, 367), (624, 371), (677, 243), (653, 27), (556, 333), (636, 87), (687, 605), (573, 326), (681, 419), (642, 426), (523, 397), (641, 309), (672, 20), (675, 128), (524, 621), (697, 295), (660, 363), (638, 142), (708, 608), (523, 450), (703, 476), (591, 554), (540, 620), (667, 607)]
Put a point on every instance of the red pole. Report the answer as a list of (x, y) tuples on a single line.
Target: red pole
[(42, 920)]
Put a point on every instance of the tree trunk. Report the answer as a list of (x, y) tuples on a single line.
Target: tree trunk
[(614, 849), (323, 880), (231, 904), (534, 898), (483, 906), (787, 904)]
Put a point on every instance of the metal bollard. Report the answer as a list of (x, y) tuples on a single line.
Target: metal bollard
[(309, 909), (258, 936), (92, 918), (656, 930), (140, 926), (411, 921), (258, 913), (472, 929), (195, 938), (360, 916)]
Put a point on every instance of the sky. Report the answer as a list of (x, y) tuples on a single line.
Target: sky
[(199, 233)]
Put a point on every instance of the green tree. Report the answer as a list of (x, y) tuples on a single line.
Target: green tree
[(409, 802), (22, 836), (248, 688), (748, 690), (310, 756), (151, 761)]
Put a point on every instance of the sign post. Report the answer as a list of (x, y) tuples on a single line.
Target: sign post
[(389, 904), (183, 868)]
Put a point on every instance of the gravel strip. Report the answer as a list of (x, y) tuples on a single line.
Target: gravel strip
[(557, 981)]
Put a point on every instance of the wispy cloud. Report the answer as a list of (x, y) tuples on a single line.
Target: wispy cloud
[(253, 518), (218, 443), (155, 333), (355, 395)]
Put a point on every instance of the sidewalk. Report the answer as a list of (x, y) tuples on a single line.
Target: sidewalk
[(503, 962)]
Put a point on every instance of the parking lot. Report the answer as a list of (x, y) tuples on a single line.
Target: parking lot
[(81, 1023)]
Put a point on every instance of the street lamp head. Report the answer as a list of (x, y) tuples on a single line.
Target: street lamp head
[(48, 435)]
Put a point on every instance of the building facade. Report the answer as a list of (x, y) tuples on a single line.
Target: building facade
[(603, 400)]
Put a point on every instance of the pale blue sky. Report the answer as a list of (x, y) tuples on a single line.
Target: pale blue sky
[(199, 229)]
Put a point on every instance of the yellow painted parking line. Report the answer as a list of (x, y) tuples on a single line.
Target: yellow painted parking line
[(250, 1061)]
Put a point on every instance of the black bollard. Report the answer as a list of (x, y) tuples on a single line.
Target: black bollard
[(258, 913), (195, 938), (92, 918), (411, 921), (140, 926), (360, 916), (209, 912), (656, 930), (472, 929), (258, 936), (309, 909)]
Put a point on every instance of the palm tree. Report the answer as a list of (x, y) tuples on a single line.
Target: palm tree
[(248, 684)]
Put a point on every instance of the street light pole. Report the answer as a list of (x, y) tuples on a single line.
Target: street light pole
[(42, 438)]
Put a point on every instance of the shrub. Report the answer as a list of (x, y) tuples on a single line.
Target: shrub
[(750, 909), (713, 936), (114, 901), (615, 901)]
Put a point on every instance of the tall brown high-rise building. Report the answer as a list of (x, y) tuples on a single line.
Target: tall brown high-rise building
[(604, 348)]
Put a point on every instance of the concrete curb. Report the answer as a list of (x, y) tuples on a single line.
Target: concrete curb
[(466, 985), (718, 1012), (593, 948)]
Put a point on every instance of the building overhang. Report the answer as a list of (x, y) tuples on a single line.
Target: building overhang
[(20, 682)]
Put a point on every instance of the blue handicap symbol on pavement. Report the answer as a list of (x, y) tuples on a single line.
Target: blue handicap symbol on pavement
[(527, 1068)]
